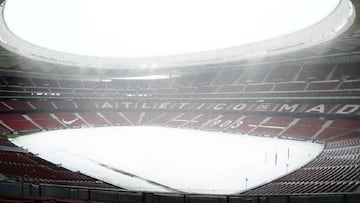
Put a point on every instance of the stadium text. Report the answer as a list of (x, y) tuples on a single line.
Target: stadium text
[(274, 107)]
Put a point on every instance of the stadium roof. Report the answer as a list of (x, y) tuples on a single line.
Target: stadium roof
[(142, 29), (319, 41)]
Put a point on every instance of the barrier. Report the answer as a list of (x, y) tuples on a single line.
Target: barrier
[(117, 195)]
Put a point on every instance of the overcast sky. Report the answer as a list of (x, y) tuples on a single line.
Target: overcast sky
[(141, 28)]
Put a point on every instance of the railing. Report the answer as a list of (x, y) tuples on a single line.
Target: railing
[(329, 94), (124, 196), (27, 179)]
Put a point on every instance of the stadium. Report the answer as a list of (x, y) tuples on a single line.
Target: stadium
[(301, 89)]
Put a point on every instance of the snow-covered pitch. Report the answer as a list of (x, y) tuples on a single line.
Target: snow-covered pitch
[(162, 159)]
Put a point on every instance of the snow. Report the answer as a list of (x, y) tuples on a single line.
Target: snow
[(182, 160)]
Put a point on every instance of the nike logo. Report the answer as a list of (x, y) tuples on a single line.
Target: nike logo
[(69, 122)]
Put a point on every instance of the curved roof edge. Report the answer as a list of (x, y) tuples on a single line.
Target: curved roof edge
[(330, 27)]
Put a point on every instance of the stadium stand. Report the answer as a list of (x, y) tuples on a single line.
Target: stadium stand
[(290, 86), (348, 71), (335, 170), (45, 121), (350, 85), (16, 165)]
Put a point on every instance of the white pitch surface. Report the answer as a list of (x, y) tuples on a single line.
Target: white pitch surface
[(186, 160)]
